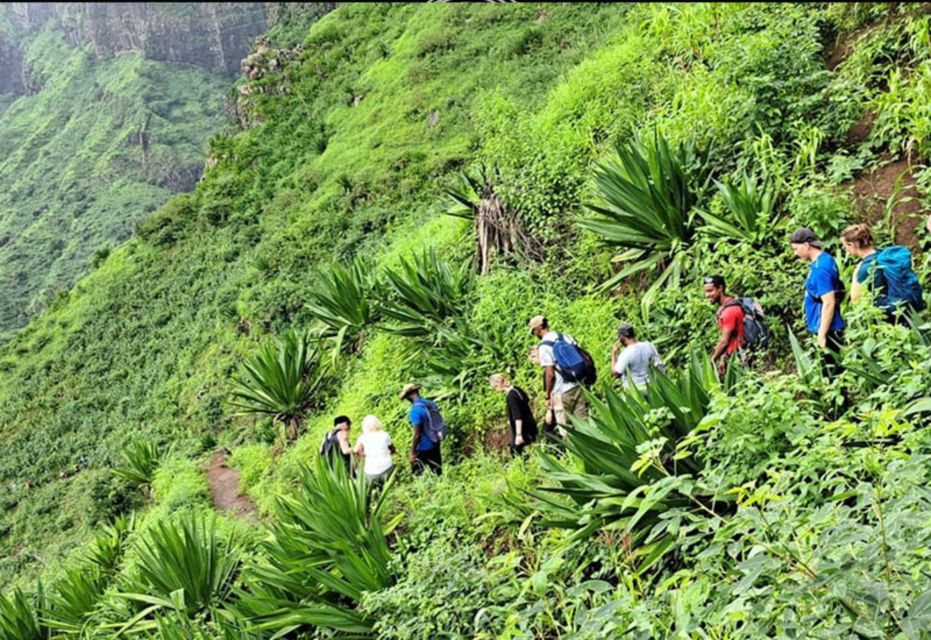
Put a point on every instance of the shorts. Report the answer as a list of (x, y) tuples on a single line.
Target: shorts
[(571, 402)]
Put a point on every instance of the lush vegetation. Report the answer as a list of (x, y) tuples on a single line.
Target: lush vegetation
[(329, 256), (97, 146)]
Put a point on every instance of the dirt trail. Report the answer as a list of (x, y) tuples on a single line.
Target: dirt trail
[(224, 487)]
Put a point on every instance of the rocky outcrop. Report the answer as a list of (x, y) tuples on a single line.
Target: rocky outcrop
[(11, 67), (214, 36)]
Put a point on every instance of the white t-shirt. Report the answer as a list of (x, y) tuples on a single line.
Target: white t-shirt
[(633, 363), (548, 359), (377, 454)]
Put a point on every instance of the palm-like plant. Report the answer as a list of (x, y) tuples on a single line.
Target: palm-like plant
[(328, 547), (748, 214), (497, 227), (284, 381), (427, 292), (631, 473), (20, 619), (646, 200), (186, 567), (140, 460), (343, 300)]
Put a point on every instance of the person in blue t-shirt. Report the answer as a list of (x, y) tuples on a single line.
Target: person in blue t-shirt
[(425, 454), (823, 293)]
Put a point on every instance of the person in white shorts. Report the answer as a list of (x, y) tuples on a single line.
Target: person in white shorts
[(376, 448)]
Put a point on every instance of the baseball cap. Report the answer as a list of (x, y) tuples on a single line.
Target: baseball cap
[(536, 322), (803, 235)]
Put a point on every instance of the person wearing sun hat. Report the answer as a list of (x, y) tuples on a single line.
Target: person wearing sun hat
[(824, 291), (428, 430)]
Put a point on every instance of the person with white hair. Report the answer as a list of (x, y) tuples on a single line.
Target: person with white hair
[(375, 447)]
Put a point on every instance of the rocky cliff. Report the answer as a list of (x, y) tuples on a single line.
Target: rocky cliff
[(212, 36)]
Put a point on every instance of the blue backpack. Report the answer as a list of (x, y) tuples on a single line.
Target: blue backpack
[(572, 361), (894, 265), (436, 426)]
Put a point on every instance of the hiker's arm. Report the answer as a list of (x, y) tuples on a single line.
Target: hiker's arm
[(415, 441), (658, 362), (856, 289), (828, 304), (726, 336), (549, 379), (343, 438), (358, 450), (614, 372)]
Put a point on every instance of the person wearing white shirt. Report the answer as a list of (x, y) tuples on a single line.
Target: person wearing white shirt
[(632, 362), (375, 447)]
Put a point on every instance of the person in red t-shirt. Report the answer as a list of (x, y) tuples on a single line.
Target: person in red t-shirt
[(730, 321)]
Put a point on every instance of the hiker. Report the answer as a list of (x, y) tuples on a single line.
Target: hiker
[(520, 415), (631, 360), (336, 443), (565, 366), (375, 447), (549, 419), (730, 317), (429, 431), (887, 271), (824, 292)]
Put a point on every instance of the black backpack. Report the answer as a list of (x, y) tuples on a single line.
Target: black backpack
[(756, 333), (330, 445)]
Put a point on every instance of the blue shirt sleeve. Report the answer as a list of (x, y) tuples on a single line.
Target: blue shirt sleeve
[(823, 279), (418, 416)]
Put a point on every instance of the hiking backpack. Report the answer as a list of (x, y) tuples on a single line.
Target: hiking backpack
[(756, 333), (902, 284), (436, 427), (573, 362), (329, 445)]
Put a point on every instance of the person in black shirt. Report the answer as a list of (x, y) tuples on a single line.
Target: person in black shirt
[(520, 416)]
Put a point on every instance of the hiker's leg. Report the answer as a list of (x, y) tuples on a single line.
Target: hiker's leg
[(434, 460), (579, 403), (560, 412)]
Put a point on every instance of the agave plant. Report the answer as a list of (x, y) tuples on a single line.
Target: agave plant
[(497, 227), (140, 460), (186, 567), (615, 488), (284, 381), (343, 300), (20, 617), (427, 291), (646, 200), (328, 547), (748, 214)]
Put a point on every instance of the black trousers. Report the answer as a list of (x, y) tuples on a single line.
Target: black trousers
[(830, 356), (431, 459)]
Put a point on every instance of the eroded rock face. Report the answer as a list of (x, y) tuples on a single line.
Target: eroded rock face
[(214, 36), (11, 67)]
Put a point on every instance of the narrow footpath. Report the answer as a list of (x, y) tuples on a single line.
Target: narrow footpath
[(224, 488)]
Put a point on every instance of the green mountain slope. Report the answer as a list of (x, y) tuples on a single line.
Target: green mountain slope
[(99, 143), (771, 503)]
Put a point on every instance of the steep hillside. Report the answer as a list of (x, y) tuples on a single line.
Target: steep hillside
[(103, 116), (775, 501)]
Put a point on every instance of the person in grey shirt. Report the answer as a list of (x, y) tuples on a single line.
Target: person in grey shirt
[(632, 364)]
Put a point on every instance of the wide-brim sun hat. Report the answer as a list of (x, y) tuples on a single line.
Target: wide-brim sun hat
[(408, 390)]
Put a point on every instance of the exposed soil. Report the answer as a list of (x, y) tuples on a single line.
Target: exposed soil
[(224, 487), (891, 186), (497, 438), (860, 131)]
